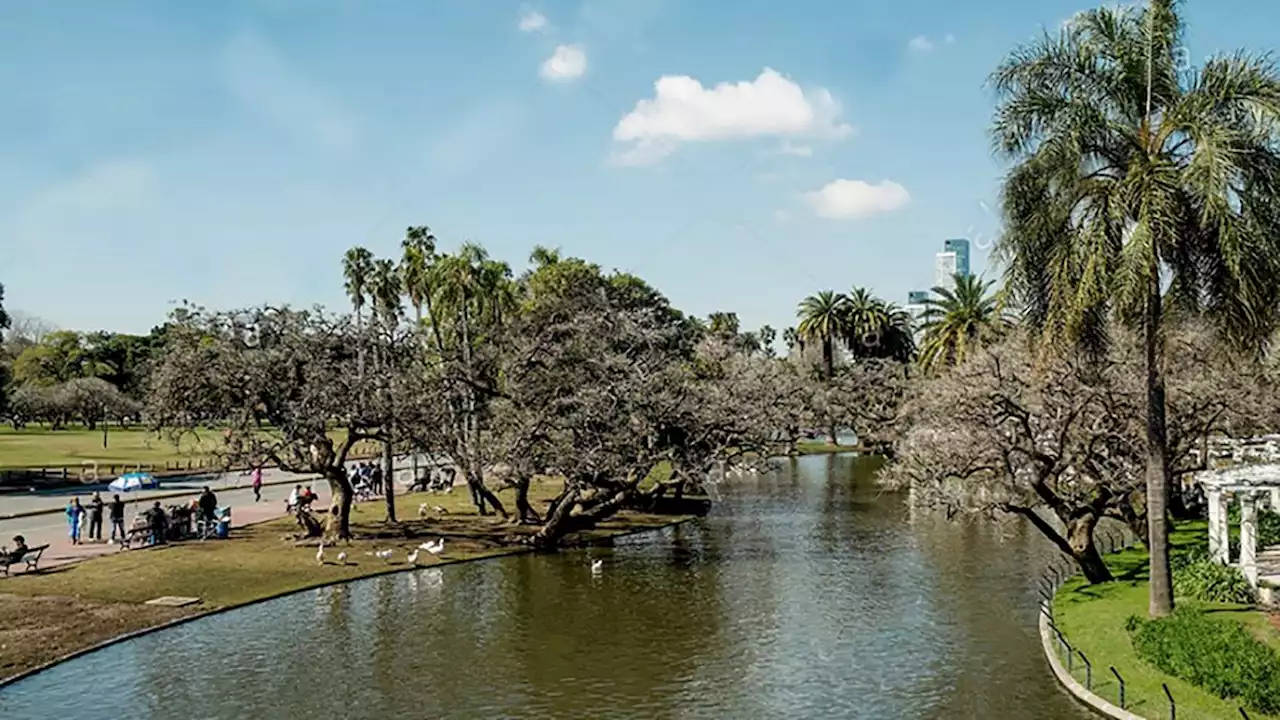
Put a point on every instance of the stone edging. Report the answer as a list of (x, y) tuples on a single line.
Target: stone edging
[(1088, 697), (505, 552)]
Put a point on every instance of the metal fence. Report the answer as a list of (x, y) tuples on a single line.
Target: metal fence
[(1097, 674)]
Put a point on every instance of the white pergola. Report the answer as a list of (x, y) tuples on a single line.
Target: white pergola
[(1248, 483)]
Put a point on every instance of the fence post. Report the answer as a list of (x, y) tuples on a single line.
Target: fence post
[(1121, 681), (1173, 707), (1088, 671)]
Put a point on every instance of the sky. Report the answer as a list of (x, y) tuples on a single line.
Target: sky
[(737, 155)]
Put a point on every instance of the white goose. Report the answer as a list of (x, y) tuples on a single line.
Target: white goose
[(412, 558), (320, 554), (435, 548), (342, 558), (597, 566), (385, 555), (422, 510)]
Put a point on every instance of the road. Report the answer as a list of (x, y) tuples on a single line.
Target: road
[(51, 528)]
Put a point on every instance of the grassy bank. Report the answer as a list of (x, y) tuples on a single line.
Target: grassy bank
[(40, 447), (1093, 619), (819, 447), (48, 615)]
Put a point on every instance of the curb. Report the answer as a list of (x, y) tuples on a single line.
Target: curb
[(1082, 694), (393, 570)]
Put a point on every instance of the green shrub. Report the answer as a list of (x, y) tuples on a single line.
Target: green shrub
[(1217, 655), (1201, 579)]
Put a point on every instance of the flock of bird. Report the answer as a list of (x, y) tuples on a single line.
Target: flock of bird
[(435, 547)]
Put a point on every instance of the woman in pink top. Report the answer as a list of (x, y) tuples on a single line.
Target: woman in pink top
[(257, 484)]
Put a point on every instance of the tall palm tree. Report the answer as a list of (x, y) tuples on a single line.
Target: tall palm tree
[(865, 319), (898, 336), (958, 321), (823, 319), (357, 266), (385, 285), (418, 250), (1138, 186)]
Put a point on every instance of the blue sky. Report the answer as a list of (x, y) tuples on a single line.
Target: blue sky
[(229, 152)]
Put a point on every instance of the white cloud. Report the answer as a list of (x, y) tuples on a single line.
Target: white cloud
[(568, 62), (920, 43), (682, 110), (854, 199), (790, 148), (268, 86), (533, 21)]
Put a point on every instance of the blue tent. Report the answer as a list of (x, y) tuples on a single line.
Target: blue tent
[(133, 481)]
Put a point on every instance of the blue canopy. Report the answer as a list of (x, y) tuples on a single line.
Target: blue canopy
[(133, 481)]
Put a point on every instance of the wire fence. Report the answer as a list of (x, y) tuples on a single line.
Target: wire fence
[(1096, 674)]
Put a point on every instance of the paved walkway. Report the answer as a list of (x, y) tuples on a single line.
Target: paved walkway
[(51, 529)]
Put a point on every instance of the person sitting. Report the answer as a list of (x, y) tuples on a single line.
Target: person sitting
[(208, 505), (294, 498), (307, 497), (19, 549)]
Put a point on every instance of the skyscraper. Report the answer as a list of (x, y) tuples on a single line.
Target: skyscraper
[(959, 246), (944, 270)]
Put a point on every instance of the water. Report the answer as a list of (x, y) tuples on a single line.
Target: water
[(806, 594)]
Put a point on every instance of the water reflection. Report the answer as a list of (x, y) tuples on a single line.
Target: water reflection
[(806, 594)]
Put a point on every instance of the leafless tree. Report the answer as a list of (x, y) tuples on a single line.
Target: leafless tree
[(1060, 437)]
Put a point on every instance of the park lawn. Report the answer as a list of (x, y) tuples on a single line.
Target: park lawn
[(39, 447), (1093, 617), (50, 614)]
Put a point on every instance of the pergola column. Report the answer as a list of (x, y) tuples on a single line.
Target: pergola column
[(1249, 538), (1275, 499), (1219, 549)]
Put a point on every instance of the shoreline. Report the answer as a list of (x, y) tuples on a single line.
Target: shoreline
[(72, 618)]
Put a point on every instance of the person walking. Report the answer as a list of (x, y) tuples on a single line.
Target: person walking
[(257, 484), (117, 519), (96, 506), (75, 513)]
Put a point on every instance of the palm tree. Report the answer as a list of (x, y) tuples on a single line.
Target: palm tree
[(958, 321), (823, 319), (416, 268), (1140, 186), (357, 266), (384, 287), (792, 339)]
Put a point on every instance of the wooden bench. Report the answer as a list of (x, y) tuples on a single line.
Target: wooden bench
[(31, 558)]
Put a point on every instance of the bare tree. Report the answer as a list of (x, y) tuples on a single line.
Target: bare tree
[(272, 383), (1060, 437)]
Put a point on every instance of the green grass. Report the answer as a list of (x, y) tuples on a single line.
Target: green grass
[(47, 615), (820, 447), (39, 447), (1092, 617)]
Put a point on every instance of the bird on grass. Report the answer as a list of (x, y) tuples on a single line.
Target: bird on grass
[(422, 510), (597, 566), (435, 548), (385, 555), (412, 558), (342, 558), (320, 554)]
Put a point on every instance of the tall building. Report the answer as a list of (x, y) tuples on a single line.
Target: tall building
[(959, 246), (916, 300), (944, 270)]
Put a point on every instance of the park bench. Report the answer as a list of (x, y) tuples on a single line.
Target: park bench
[(31, 557)]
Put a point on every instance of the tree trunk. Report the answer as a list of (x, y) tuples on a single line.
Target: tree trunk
[(828, 358), (1160, 600), (481, 494), (1085, 552), (527, 514), (388, 477), (564, 520), (339, 525)]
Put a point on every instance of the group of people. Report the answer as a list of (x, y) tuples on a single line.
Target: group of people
[(367, 478), (76, 514), (156, 527)]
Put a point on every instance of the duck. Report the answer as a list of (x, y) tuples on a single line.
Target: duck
[(435, 548), (422, 510), (342, 558), (385, 555), (597, 565), (412, 558)]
